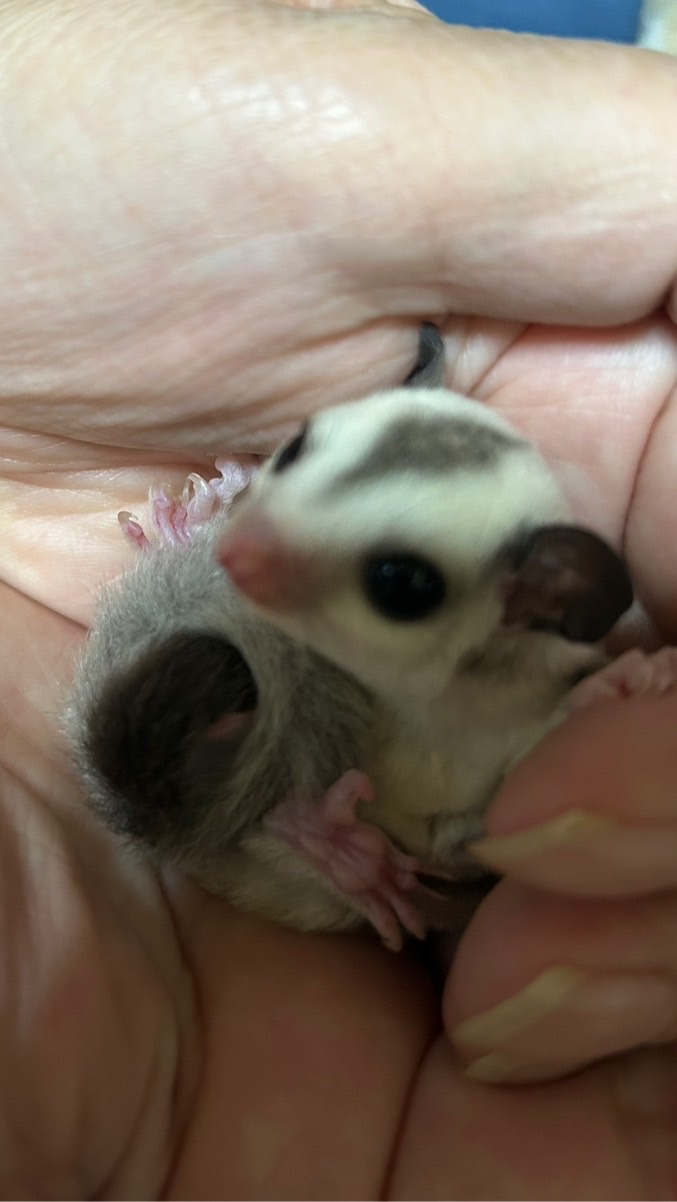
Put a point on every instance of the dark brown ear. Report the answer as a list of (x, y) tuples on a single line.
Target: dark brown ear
[(567, 580)]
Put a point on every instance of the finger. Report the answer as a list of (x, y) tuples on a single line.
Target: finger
[(593, 810), (607, 1133), (581, 980), (525, 99), (306, 181)]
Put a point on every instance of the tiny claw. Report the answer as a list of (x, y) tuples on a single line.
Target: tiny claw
[(168, 516), (199, 500), (133, 530), (386, 926), (174, 520), (234, 476)]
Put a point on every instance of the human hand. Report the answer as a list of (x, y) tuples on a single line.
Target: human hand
[(216, 218)]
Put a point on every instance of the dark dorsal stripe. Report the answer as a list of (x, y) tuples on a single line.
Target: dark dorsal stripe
[(426, 445)]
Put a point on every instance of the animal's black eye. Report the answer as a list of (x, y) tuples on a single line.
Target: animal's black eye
[(404, 588), (291, 450)]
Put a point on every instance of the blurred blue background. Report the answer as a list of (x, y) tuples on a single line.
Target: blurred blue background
[(615, 20)]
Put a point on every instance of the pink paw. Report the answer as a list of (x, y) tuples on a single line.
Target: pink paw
[(631, 675), (173, 520), (358, 859)]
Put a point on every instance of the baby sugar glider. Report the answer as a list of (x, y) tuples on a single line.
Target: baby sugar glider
[(306, 700)]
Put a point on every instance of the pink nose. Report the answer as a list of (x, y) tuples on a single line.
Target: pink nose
[(261, 565)]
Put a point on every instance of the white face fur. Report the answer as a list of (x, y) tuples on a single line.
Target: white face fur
[(419, 485)]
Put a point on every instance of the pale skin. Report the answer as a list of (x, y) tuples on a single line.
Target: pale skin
[(214, 218)]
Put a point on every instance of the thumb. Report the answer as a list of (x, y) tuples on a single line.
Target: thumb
[(592, 811), (457, 161)]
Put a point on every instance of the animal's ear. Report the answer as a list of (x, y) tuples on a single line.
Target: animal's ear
[(428, 371), (567, 580)]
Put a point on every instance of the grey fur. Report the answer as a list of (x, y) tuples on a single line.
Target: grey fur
[(310, 727)]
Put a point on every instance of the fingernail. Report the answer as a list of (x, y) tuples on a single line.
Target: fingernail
[(585, 854), (542, 996), (570, 827), (564, 1019), (499, 1069)]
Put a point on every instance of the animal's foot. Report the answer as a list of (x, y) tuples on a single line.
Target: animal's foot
[(358, 859), (174, 520), (633, 674)]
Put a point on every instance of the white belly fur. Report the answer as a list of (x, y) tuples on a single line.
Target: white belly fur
[(449, 760)]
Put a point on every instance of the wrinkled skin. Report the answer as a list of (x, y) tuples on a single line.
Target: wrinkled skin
[(216, 217)]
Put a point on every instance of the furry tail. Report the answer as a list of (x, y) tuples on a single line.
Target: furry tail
[(142, 744)]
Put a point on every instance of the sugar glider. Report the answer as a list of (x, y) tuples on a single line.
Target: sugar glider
[(306, 700)]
